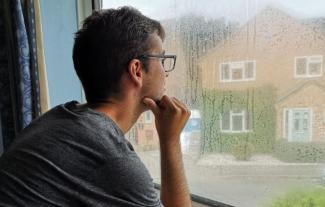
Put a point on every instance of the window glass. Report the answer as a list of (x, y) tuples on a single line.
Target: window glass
[(148, 117), (237, 122), (251, 72), (314, 68), (237, 73), (301, 66)]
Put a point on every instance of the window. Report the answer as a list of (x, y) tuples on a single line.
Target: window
[(308, 66), (237, 71), (234, 122), (266, 116)]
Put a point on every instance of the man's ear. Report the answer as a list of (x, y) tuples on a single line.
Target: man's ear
[(136, 72)]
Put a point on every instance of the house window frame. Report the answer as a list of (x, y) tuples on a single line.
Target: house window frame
[(288, 135), (243, 71), (308, 61), (244, 123)]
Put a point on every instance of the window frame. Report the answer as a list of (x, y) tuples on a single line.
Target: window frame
[(202, 199), (307, 75), (244, 115), (243, 71)]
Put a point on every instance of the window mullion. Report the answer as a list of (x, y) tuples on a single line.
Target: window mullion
[(307, 66), (244, 71), (243, 121), (230, 72), (230, 119)]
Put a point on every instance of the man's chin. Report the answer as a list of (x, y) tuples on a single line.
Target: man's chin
[(159, 97)]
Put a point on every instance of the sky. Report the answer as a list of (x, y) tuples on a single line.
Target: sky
[(233, 10)]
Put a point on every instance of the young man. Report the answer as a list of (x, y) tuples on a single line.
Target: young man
[(76, 154)]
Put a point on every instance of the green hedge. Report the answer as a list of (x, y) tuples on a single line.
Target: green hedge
[(259, 102), (312, 152), (242, 150)]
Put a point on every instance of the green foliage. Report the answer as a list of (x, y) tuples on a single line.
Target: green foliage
[(299, 152), (314, 198), (242, 150), (258, 102)]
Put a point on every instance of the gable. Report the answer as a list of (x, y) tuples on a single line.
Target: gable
[(306, 94)]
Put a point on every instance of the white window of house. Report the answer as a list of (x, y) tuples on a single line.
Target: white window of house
[(308, 66), (235, 121), (148, 117), (237, 71)]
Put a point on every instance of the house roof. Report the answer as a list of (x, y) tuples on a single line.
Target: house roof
[(274, 14), (298, 88)]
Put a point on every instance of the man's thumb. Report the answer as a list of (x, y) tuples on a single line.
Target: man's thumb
[(151, 104)]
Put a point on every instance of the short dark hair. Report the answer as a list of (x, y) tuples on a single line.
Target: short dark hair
[(108, 40)]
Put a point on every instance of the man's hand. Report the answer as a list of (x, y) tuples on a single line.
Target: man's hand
[(171, 116)]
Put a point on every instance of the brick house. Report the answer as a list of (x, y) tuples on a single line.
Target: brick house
[(276, 50)]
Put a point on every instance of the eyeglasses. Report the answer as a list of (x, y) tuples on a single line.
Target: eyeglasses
[(167, 61)]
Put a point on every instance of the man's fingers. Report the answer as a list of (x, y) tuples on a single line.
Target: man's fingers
[(182, 106), (167, 103), (151, 104), (179, 103)]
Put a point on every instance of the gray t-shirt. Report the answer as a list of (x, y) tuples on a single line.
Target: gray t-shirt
[(74, 157)]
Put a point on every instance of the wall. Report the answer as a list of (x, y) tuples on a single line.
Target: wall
[(60, 22)]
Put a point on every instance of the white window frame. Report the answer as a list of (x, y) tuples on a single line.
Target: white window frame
[(289, 135), (308, 61), (232, 66), (244, 124)]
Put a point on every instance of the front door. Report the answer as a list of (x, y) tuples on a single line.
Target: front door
[(298, 124)]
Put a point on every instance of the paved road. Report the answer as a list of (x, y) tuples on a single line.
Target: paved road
[(242, 186)]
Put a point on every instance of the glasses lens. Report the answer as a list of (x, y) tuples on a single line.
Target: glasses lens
[(168, 64)]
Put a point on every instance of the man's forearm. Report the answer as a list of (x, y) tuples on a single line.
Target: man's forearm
[(171, 116), (174, 189)]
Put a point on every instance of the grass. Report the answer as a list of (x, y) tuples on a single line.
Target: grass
[(301, 198)]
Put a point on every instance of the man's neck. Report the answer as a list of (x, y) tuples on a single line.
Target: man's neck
[(124, 114)]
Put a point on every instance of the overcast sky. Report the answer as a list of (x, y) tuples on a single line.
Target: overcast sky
[(233, 10)]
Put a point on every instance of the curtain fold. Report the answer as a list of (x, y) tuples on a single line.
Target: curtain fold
[(23, 54), (19, 76), (34, 77)]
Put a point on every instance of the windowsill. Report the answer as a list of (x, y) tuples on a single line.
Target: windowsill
[(307, 76), (236, 132), (198, 201), (237, 81)]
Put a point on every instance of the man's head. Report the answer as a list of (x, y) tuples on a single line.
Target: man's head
[(105, 45)]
